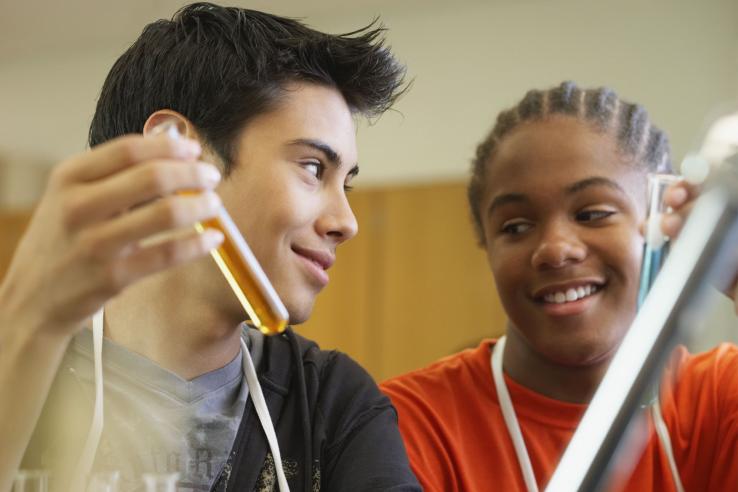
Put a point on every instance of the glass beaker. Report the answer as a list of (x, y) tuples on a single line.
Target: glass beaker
[(160, 482), (103, 482), (31, 481), (656, 246)]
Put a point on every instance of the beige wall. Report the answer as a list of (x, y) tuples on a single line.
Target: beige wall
[(678, 58), (468, 60)]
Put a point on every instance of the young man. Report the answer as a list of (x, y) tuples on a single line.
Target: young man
[(272, 103)]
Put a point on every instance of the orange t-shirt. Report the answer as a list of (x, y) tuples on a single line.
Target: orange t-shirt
[(457, 440)]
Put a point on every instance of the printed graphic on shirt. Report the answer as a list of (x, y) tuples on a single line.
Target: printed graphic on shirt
[(267, 481), (198, 456)]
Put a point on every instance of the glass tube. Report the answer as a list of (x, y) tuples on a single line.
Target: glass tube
[(656, 247), (239, 266), (31, 481), (103, 482), (160, 482)]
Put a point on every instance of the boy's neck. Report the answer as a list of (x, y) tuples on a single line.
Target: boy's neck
[(182, 319), (564, 383)]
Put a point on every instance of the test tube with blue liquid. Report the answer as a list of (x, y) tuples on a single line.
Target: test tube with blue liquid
[(656, 246)]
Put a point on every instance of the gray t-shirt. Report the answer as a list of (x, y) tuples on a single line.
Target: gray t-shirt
[(155, 421)]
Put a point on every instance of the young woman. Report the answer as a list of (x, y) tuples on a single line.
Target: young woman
[(558, 196)]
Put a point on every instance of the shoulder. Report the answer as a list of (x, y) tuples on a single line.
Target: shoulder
[(335, 385), (716, 364), (702, 384), (316, 364), (443, 378)]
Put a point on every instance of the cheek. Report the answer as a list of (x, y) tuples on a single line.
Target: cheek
[(633, 251), (507, 268), (290, 209), (625, 252)]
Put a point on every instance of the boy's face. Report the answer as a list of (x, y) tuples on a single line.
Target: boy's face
[(287, 191), (560, 215)]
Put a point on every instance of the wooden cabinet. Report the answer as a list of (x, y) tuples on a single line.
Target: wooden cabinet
[(12, 225), (411, 287)]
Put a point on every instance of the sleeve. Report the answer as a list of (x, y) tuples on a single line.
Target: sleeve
[(364, 450), (725, 470), (703, 417)]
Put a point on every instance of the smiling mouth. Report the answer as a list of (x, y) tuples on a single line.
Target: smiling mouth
[(320, 259), (316, 264), (571, 294)]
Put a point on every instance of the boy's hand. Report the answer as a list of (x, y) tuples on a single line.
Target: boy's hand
[(82, 245), (681, 197)]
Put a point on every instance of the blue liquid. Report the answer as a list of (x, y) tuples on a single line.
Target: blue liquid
[(653, 260)]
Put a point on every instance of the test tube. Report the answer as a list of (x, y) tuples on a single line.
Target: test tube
[(31, 481), (239, 266), (103, 482), (160, 482), (656, 247)]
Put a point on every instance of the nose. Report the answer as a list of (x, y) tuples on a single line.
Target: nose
[(558, 247), (338, 220)]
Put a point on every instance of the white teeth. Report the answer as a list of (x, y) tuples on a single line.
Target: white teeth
[(570, 295)]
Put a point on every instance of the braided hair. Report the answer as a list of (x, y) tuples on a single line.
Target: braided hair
[(645, 144)]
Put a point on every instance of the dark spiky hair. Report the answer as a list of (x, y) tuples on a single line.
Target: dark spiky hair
[(645, 144), (222, 66)]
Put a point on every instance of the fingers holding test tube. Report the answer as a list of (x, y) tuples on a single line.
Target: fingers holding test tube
[(680, 198), (233, 257), (84, 241)]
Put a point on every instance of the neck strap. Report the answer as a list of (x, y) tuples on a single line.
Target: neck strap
[(86, 461), (513, 427), (511, 420)]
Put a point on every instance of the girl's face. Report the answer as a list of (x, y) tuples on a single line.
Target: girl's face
[(560, 215)]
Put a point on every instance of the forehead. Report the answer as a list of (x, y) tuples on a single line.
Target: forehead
[(554, 152), (306, 112)]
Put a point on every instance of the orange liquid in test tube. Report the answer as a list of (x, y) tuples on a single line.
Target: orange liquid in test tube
[(239, 266)]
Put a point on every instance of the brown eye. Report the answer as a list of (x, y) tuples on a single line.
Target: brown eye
[(593, 215), (314, 168), (515, 228)]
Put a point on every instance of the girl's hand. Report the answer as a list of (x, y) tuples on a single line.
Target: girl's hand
[(681, 197)]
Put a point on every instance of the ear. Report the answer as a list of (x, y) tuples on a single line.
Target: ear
[(184, 125)]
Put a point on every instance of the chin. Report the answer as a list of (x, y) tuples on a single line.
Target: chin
[(300, 311), (584, 354)]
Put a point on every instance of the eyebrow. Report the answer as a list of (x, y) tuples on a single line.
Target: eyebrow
[(593, 181), (322, 147), (572, 189), (501, 200)]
